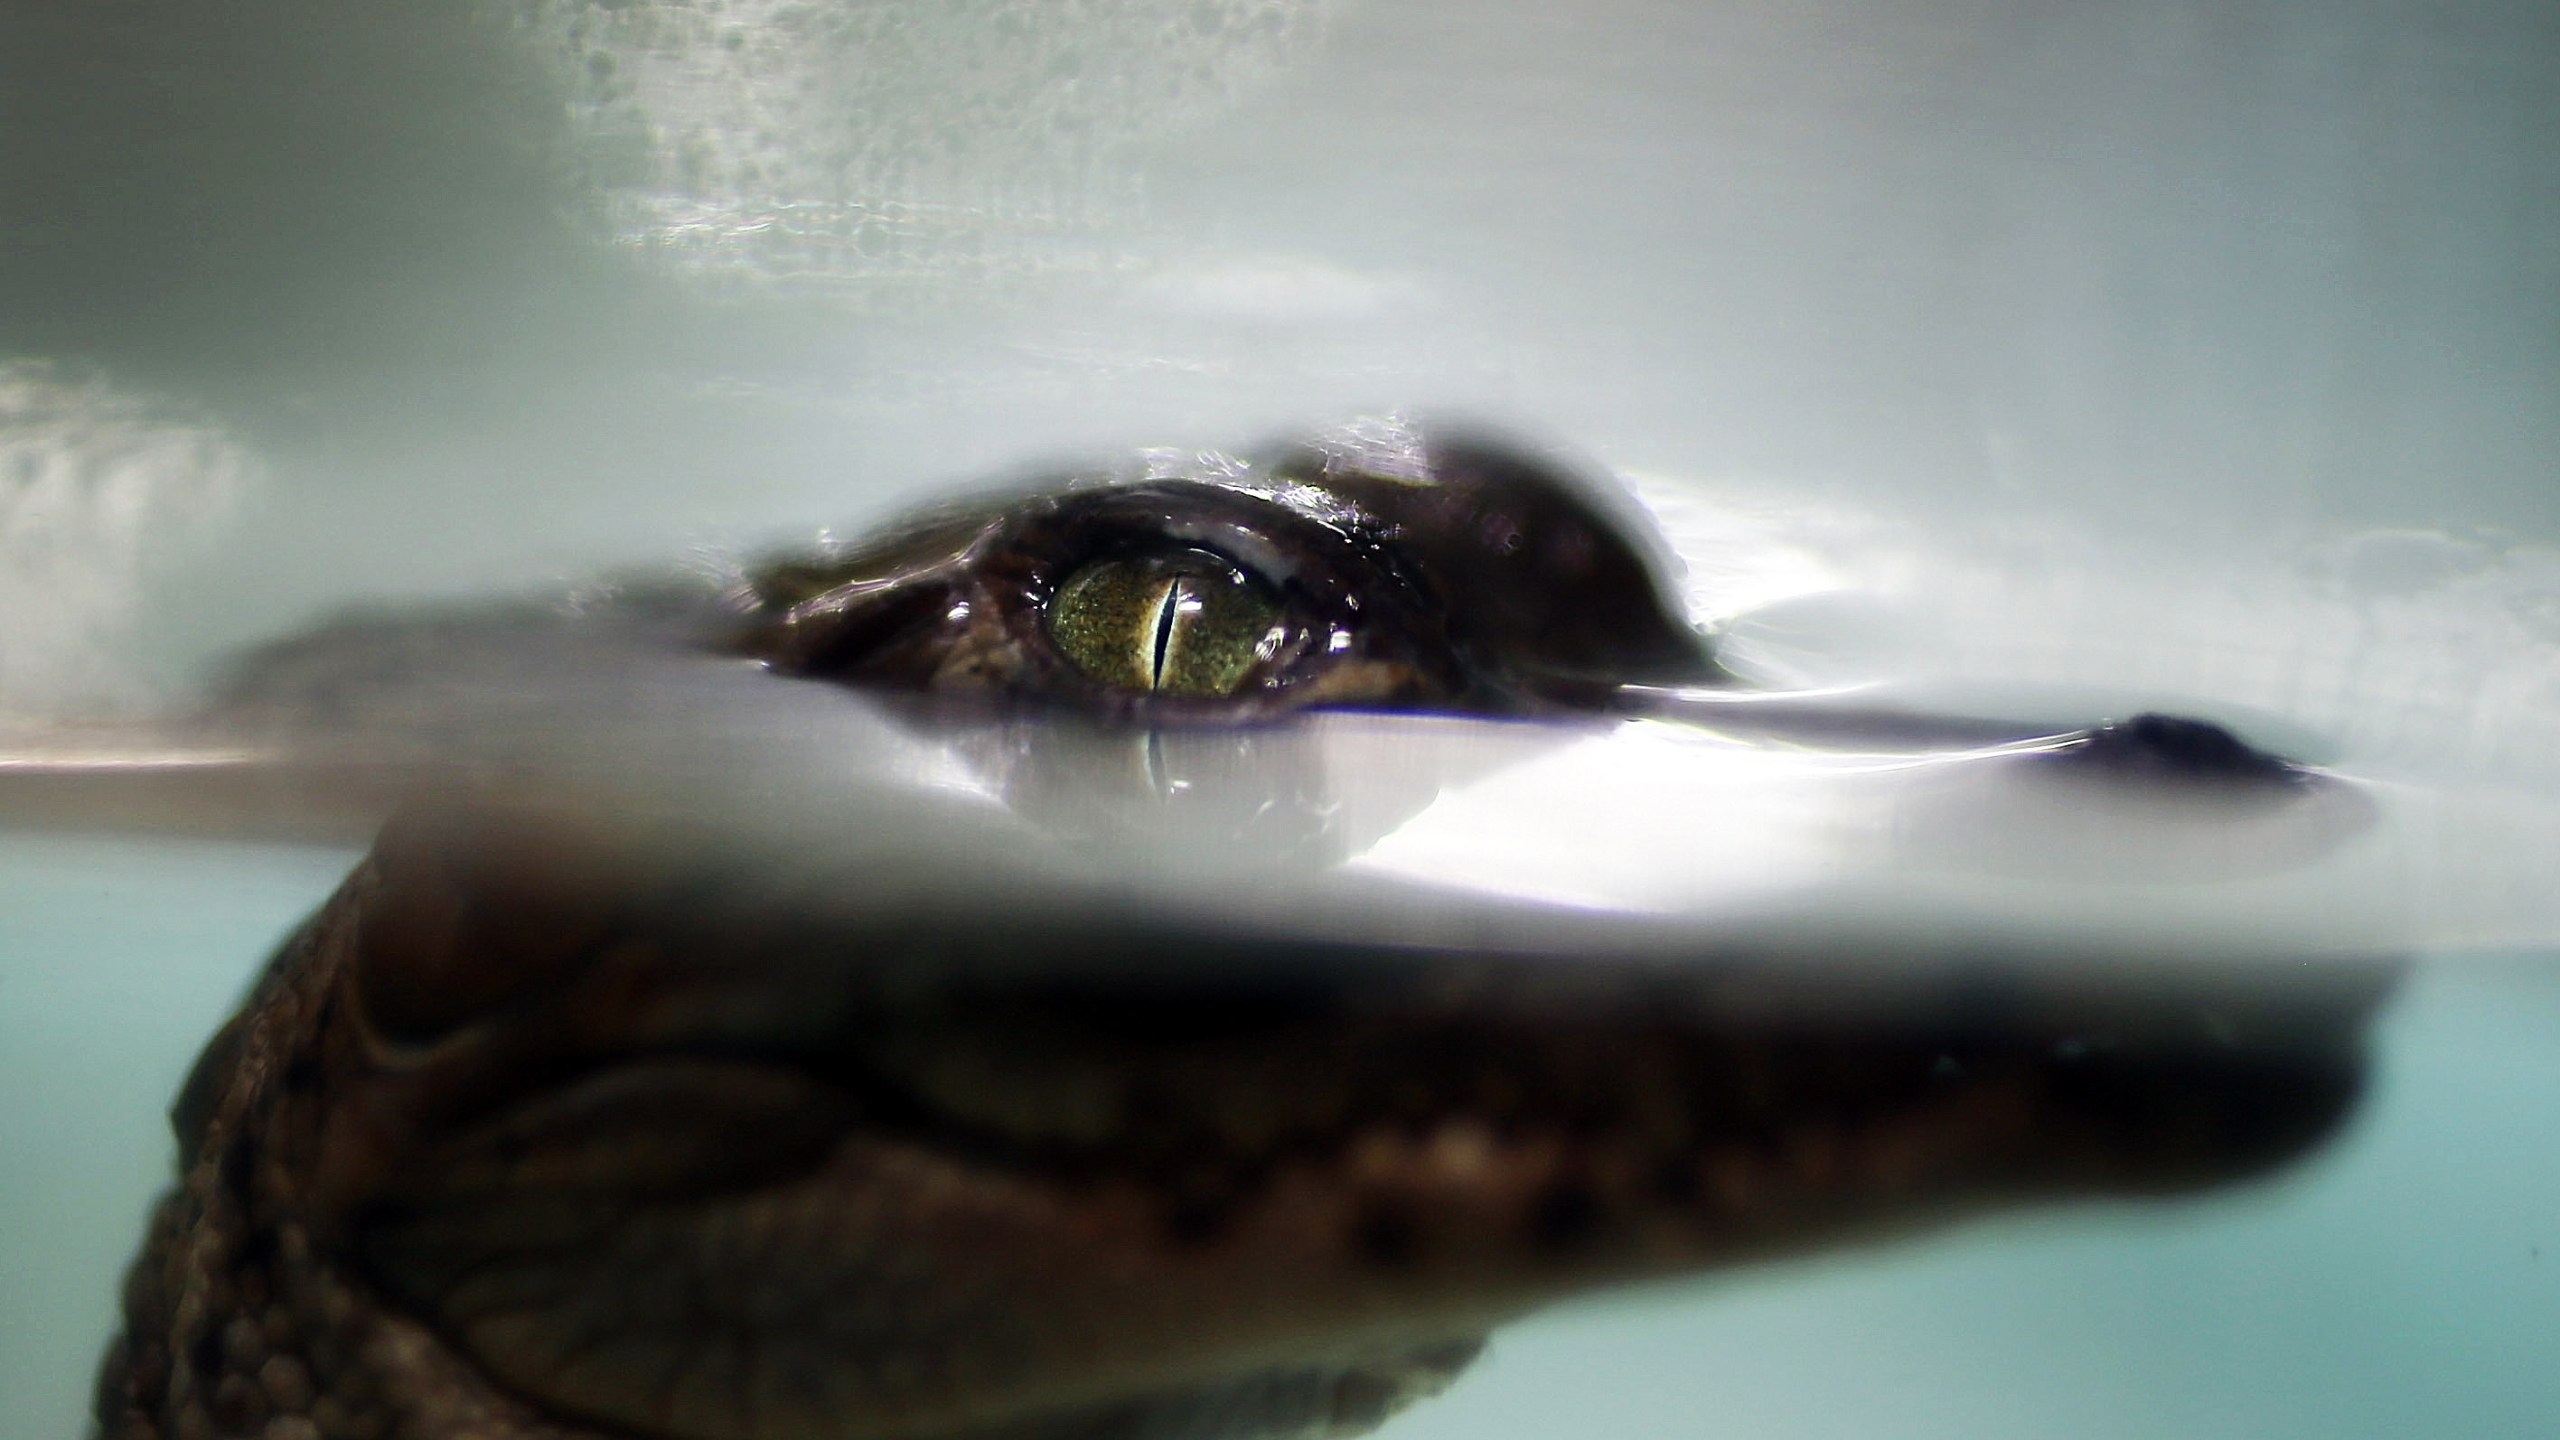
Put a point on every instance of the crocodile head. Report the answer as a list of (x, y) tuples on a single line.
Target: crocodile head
[(1027, 1027)]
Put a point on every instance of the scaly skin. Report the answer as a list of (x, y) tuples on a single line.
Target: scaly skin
[(236, 1323), (509, 1144), (548, 1127), (243, 1317)]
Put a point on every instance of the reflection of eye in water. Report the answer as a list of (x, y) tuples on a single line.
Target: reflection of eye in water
[(1224, 799), (94, 485)]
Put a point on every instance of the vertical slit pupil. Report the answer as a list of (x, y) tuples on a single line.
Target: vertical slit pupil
[(1169, 603)]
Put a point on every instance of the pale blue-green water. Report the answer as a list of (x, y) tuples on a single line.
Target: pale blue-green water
[(115, 963), (2405, 1282)]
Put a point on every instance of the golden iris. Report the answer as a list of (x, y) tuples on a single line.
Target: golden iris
[(1172, 625)]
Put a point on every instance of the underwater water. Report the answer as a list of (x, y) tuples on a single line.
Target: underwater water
[(2406, 1280), (2199, 354)]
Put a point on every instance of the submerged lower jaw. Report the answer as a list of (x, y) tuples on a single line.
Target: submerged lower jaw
[(726, 1250), (1667, 1114), (892, 1290), (982, 1200), (1582, 1122)]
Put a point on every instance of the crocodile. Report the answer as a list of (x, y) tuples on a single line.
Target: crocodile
[(1056, 1077)]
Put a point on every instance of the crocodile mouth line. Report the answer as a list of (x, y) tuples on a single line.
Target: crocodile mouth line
[(1231, 1211), (1583, 1122), (659, 1152)]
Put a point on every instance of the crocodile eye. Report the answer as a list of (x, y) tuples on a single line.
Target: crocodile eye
[(1187, 624)]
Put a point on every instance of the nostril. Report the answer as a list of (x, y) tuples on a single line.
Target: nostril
[(2174, 747)]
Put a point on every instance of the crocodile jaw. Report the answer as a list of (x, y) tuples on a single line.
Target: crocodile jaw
[(676, 1175)]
